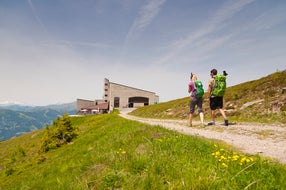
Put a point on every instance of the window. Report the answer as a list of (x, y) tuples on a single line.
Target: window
[(116, 102)]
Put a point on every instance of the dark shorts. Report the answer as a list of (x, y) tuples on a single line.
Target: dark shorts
[(216, 103), (196, 102)]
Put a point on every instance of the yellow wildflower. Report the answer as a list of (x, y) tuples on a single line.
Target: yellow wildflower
[(224, 165), (235, 157), (243, 159)]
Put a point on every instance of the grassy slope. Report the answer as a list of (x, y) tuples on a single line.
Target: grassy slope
[(112, 152), (269, 89)]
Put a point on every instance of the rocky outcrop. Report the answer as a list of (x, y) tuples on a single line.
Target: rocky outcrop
[(250, 104)]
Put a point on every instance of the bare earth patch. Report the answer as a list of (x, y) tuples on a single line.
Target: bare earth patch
[(265, 140)]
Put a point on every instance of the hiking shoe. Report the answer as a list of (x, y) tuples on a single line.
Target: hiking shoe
[(226, 122), (211, 123)]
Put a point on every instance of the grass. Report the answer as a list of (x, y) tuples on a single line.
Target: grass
[(114, 153)]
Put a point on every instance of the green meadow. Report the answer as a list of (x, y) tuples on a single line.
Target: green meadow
[(110, 152)]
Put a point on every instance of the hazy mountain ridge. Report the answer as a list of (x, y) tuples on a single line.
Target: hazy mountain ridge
[(18, 119), (66, 107)]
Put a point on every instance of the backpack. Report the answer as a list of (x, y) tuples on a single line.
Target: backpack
[(199, 90), (220, 85)]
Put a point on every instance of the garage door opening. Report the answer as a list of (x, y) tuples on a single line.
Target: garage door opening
[(134, 102)]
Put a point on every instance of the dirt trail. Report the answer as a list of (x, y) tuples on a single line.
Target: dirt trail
[(265, 140)]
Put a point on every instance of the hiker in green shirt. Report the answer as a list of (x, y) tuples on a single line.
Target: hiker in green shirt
[(216, 91)]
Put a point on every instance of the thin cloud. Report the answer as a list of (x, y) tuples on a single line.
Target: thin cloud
[(36, 15), (269, 19), (226, 12), (76, 43), (146, 15)]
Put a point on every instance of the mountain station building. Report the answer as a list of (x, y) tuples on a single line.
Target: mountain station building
[(117, 96)]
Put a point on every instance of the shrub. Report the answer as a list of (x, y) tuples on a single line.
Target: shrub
[(60, 133)]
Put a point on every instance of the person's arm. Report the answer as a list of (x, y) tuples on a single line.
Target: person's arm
[(210, 88), (209, 91)]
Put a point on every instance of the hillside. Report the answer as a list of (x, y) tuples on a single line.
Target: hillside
[(17, 119), (111, 152), (261, 100), (15, 123)]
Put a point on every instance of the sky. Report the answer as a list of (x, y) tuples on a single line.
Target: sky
[(56, 51)]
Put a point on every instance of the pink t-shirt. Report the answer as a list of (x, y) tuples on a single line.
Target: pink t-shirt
[(192, 86)]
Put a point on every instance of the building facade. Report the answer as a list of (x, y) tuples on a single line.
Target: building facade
[(91, 107), (121, 96), (117, 96)]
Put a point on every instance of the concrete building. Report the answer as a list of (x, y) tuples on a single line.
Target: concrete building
[(86, 107), (117, 96)]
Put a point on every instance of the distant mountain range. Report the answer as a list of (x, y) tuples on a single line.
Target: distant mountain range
[(66, 107), (19, 119)]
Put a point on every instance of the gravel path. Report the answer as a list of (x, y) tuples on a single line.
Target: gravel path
[(265, 140)]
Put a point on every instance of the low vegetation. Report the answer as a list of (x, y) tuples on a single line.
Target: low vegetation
[(261, 100), (114, 153), (60, 133)]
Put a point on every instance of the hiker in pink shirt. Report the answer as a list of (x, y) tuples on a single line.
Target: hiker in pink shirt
[(196, 89)]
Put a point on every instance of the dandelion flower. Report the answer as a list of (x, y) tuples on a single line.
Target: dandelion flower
[(223, 158), (235, 157), (224, 165)]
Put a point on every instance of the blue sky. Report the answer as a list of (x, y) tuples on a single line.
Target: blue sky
[(59, 50)]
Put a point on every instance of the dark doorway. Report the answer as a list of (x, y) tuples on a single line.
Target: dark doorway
[(132, 101), (116, 102)]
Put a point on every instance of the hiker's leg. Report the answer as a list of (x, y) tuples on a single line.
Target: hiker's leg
[(202, 117), (213, 115), (200, 109), (220, 106), (224, 116), (213, 108), (223, 113), (192, 110), (191, 119)]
